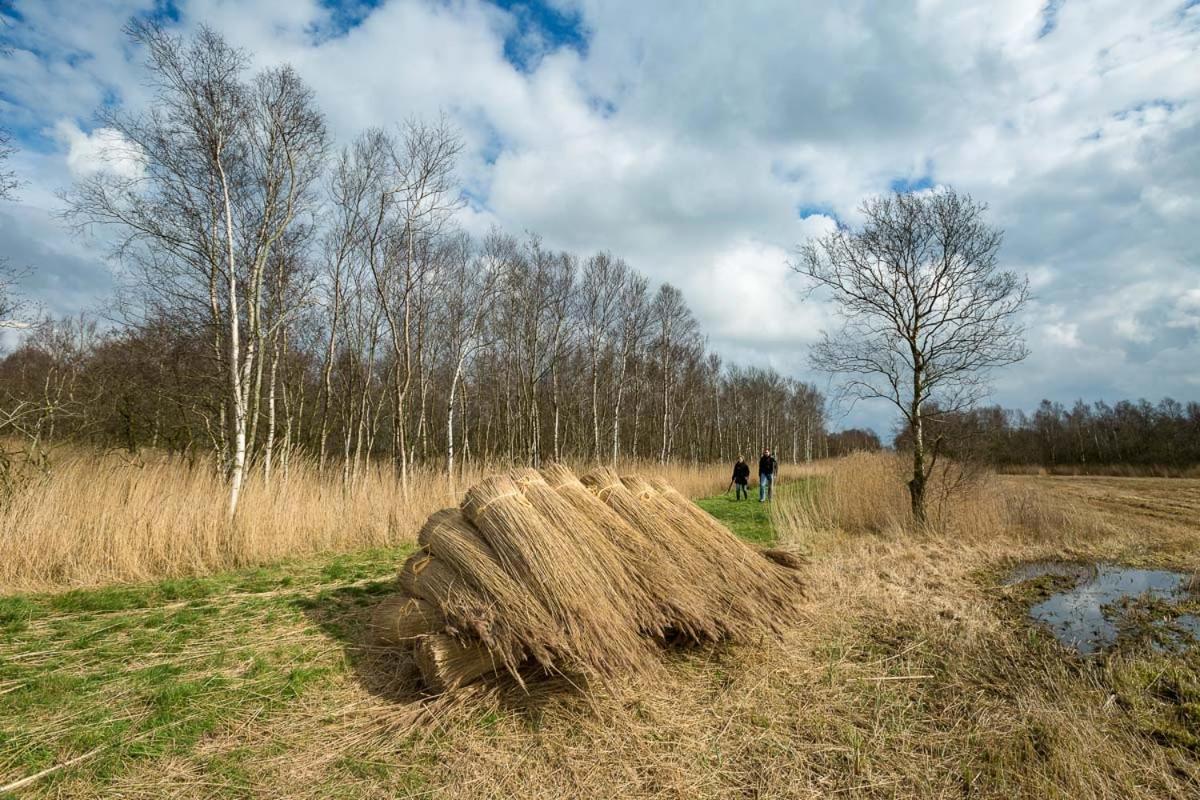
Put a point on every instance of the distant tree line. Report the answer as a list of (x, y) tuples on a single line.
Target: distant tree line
[(853, 440), (1141, 433), (154, 385)]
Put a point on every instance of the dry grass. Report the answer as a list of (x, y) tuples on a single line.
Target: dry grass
[(98, 518), (1106, 470), (909, 673)]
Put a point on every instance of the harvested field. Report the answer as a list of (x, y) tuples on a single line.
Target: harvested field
[(910, 671)]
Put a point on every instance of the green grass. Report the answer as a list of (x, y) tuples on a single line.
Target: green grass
[(750, 519), (151, 671)]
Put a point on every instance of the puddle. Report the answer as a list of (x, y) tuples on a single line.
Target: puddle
[(1100, 599)]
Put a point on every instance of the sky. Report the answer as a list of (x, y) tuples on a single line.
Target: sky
[(703, 142)]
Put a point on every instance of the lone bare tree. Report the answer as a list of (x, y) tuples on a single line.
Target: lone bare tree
[(8, 178), (926, 313)]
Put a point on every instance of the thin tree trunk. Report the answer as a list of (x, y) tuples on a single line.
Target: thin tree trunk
[(269, 449), (236, 382)]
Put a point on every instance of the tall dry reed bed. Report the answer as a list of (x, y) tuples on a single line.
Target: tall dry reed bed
[(98, 518)]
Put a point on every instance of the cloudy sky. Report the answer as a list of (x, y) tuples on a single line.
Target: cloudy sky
[(704, 145)]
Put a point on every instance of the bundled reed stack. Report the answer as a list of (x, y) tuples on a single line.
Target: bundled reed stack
[(617, 573), (683, 607), (570, 571), (747, 594), (541, 573)]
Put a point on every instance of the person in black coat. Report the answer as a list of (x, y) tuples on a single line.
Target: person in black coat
[(767, 467), (741, 477)]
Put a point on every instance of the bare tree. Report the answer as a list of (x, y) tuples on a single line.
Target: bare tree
[(926, 313), (677, 340), (224, 168), (8, 178), (630, 334), (598, 306), (416, 199), (11, 305), (469, 287)]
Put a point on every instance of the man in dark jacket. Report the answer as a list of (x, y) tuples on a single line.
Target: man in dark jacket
[(741, 476), (767, 466)]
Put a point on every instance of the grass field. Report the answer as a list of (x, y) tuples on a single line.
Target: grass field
[(910, 673)]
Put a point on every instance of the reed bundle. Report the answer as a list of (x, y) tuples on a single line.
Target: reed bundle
[(545, 573)]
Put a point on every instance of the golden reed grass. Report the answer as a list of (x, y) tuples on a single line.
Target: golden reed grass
[(868, 493), (98, 518)]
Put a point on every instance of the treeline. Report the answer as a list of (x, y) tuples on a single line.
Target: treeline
[(519, 354), (1086, 435), (853, 440)]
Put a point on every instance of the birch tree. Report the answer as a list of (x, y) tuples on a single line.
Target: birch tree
[(676, 339), (630, 334), (469, 289), (598, 305), (222, 167), (416, 201)]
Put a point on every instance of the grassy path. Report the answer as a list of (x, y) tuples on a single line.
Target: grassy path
[(750, 519), (128, 676)]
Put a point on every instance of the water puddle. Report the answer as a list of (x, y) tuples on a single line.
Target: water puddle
[(1103, 602)]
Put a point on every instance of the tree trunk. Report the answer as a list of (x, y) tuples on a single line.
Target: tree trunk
[(557, 410), (595, 404), (237, 467), (327, 375), (269, 448), (916, 487)]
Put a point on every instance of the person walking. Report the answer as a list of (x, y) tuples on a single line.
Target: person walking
[(741, 477), (767, 466)]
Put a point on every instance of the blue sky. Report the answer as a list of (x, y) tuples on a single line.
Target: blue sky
[(704, 142)]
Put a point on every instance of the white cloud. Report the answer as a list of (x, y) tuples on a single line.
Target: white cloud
[(1129, 329), (687, 141), (102, 150), (1063, 334)]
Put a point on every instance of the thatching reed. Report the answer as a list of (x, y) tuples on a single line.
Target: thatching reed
[(400, 619), (616, 570), (447, 664), (561, 567), (752, 594), (774, 590), (524, 629), (542, 574), (681, 604)]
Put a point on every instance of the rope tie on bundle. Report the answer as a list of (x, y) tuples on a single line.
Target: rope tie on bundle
[(609, 488), (520, 497)]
